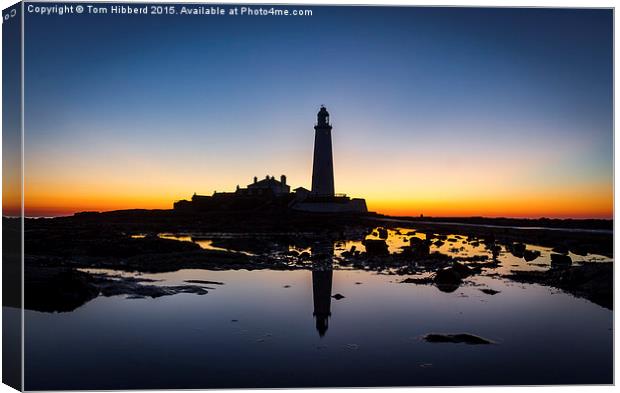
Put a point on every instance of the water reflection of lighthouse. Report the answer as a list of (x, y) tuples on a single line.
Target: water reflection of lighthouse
[(322, 273)]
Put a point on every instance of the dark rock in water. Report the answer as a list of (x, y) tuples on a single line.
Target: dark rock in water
[(292, 253), (204, 282), (60, 289), (530, 255), (460, 338), (304, 255), (560, 249), (376, 247), (51, 289), (415, 240), (419, 248), (438, 243), (462, 270), (286, 286), (560, 259), (489, 291), (447, 280), (338, 296), (593, 281), (383, 233), (496, 249), (418, 280), (579, 249), (120, 286), (516, 249)]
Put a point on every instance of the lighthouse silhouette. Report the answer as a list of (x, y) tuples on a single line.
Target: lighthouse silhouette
[(323, 165)]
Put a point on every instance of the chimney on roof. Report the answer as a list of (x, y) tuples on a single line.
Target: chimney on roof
[(255, 179), (283, 180)]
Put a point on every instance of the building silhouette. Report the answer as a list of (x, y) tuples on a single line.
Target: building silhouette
[(270, 193), (268, 184), (323, 163)]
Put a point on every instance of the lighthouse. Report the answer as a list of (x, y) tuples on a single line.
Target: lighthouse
[(322, 197), (323, 165)]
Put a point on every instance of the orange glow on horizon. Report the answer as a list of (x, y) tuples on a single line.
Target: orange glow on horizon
[(398, 187), (602, 207)]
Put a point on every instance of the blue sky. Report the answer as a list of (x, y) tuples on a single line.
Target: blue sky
[(208, 102)]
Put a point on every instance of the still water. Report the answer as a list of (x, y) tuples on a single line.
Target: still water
[(268, 328)]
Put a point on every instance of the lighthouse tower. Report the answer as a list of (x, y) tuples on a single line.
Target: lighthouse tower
[(323, 166)]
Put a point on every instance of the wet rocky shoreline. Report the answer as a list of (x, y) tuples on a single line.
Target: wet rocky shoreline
[(58, 250)]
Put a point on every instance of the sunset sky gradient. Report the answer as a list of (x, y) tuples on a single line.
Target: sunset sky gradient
[(441, 112)]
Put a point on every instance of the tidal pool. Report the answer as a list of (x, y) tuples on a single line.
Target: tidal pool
[(266, 328)]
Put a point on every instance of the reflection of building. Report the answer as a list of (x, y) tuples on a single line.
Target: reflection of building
[(270, 192), (322, 273), (321, 294)]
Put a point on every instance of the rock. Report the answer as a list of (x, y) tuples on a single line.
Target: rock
[(447, 280), (530, 255), (376, 247), (286, 286), (204, 282), (51, 289), (462, 270), (560, 249), (489, 291), (516, 249), (382, 232), (418, 280), (579, 249), (460, 338), (561, 260), (495, 249), (419, 248), (338, 296), (593, 281), (292, 253)]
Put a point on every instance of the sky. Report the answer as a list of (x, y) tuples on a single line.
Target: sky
[(441, 112)]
